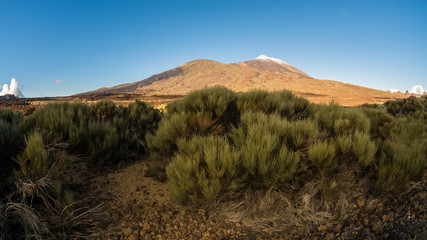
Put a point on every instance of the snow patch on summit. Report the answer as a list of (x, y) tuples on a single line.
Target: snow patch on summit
[(265, 58)]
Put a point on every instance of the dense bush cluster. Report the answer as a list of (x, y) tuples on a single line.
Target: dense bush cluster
[(215, 111), (221, 143), (103, 132), (412, 106), (205, 112), (283, 103), (11, 142), (43, 154), (401, 130)]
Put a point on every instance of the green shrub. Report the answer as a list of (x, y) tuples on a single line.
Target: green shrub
[(131, 123), (400, 164), (106, 110), (11, 143), (296, 135), (344, 145), (411, 131), (215, 100), (103, 143), (103, 116), (221, 143), (265, 158), (363, 148), (210, 111), (45, 173), (412, 107), (34, 162), (170, 130), (38, 161), (264, 142), (44, 179), (383, 125), (11, 138), (335, 120), (300, 134), (322, 154), (104, 132), (325, 116), (261, 122), (143, 118), (10, 117), (204, 167), (207, 167), (284, 103), (356, 147), (98, 141), (403, 158)]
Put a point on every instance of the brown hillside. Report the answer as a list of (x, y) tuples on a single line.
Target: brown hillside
[(254, 74)]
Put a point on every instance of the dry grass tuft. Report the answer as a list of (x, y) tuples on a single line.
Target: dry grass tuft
[(77, 220), (41, 188), (28, 218), (307, 207)]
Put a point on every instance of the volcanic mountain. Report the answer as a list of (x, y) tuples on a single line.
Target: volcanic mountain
[(261, 73)]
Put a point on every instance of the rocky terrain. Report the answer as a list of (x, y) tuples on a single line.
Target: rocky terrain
[(136, 206), (28, 105)]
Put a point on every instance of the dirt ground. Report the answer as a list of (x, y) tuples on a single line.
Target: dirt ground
[(28, 105), (139, 207)]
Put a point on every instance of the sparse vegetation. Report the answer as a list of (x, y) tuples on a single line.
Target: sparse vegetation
[(52, 148), (43, 191), (219, 146)]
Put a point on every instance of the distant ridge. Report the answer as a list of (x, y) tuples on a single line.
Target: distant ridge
[(266, 73)]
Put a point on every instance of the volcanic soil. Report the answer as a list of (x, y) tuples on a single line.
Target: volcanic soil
[(136, 206)]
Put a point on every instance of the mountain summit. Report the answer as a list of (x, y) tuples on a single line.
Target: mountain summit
[(264, 72), (273, 65), (265, 58)]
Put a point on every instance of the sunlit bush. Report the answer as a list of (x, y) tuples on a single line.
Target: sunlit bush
[(204, 167), (143, 118), (335, 120), (210, 111), (272, 138), (266, 157), (283, 103)]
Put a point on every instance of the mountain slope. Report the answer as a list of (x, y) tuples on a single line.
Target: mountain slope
[(273, 65), (261, 73)]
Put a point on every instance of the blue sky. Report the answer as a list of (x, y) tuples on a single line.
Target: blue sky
[(58, 48)]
